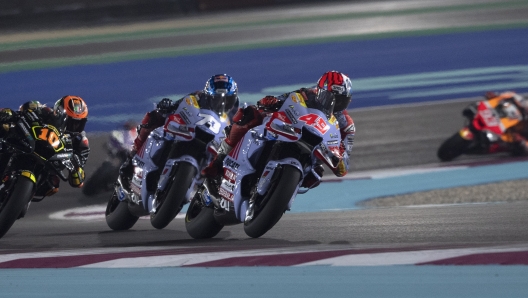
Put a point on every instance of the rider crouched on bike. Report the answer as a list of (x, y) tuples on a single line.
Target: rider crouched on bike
[(69, 115), (517, 142), (219, 89), (333, 87)]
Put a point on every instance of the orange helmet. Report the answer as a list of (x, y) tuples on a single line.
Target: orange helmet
[(71, 112)]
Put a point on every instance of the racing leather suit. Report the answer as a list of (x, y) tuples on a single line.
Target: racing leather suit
[(252, 116)]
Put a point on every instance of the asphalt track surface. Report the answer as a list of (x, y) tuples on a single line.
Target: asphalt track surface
[(442, 226), (407, 137)]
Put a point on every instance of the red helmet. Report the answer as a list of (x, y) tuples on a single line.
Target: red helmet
[(337, 84), (71, 112)]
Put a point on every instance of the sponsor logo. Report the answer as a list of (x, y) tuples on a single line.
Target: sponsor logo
[(228, 185), (291, 116), (63, 155), (294, 98), (185, 118), (340, 89), (232, 164), (225, 204), (225, 194), (294, 111), (229, 175), (332, 120), (332, 142), (194, 102)]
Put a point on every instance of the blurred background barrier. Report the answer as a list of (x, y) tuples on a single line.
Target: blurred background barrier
[(36, 14)]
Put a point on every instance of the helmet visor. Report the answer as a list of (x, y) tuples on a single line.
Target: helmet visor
[(220, 103), (341, 102), (326, 101)]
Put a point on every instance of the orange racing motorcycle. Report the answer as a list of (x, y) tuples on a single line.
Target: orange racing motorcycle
[(489, 125)]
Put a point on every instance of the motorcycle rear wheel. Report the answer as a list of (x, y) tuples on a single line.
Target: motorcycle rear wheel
[(453, 147), (174, 198), (117, 215), (12, 206), (276, 202), (199, 220)]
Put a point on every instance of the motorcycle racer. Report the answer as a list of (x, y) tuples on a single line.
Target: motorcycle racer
[(220, 93), (69, 115), (332, 95), (517, 143)]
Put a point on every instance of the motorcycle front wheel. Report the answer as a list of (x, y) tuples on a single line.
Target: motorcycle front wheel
[(117, 215), (453, 147), (275, 203), (199, 220), (172, 201), (13, 205)]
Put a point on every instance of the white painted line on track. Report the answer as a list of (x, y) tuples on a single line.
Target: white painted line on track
[(88, 213)]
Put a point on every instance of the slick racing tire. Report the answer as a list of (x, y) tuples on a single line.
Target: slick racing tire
[(453, 147), (173, 200), (275, 203), (117, 215), (199, 220), (12, 206)]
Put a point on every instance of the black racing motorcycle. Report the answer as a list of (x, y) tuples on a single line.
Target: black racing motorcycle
[(33, 156)]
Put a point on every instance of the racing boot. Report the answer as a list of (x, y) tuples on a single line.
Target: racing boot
[(214, 168), (126, 171)]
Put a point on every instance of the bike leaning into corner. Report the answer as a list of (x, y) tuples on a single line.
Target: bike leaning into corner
[(167, 166), (497, 124), (265, 170), (34, 155)]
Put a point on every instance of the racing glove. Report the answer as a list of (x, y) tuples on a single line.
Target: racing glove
[(268, 103), (81, 148), (268, 100), (341, 169), (76, 177), (164, 107), (342, 163)]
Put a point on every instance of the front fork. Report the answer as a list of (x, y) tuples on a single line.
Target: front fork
[(7, 183), (269, 176), (167, 174)]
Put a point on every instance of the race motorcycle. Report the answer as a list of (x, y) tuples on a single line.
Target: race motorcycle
[(487, 124), (167, 167), (117, 148), (264, 172), (32, 155)]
